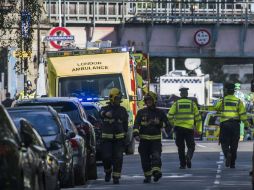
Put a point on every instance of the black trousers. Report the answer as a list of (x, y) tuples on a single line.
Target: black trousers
[(229, 138), (184, 135), (112, 156), (150, 154)]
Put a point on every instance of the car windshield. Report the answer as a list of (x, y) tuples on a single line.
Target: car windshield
[(43, 122), (92, 111), (64, 122), (214, 120), (68, 108), (90, 86)]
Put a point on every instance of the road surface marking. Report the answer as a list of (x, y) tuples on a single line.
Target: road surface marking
[(202, 146)]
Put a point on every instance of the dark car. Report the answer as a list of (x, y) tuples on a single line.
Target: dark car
[(18, 162), (46, 121), (92, 111), (79, 149), (73, 108), (47, 162)]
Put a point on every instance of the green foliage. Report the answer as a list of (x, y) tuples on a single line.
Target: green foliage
[(10, 24), (157, 67)]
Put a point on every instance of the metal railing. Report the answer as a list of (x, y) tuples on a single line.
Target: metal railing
[(160, 11)]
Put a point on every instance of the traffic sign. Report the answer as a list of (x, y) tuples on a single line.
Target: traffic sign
[(22, 54), (202, 37), (53, 37)]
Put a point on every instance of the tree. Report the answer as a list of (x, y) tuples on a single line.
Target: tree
[(11, 23)]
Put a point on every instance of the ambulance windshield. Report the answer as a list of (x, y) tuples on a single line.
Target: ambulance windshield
[(90, 86)]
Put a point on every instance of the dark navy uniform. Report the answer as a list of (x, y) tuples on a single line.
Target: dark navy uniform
[(113, 134), (147, 126)]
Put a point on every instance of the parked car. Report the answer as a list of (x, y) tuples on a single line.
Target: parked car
[(211, 129), (92, 111), (46, 121), (47, 163), (18, 161), (79, 149), (73, 108)]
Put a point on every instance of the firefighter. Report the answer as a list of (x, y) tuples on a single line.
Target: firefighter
[(184, 116), (115, 126), (232, 113), (29, 93), (147, 130)]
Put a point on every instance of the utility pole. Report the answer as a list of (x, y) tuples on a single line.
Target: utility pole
[(60, 12), (23, 62)]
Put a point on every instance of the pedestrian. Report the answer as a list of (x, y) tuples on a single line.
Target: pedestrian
[(232, 112), (185, 117), (115, 126), (8, 101), (29, 93), (147, 130)]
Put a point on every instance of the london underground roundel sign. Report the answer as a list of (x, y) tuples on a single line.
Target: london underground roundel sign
[(53, 37), (202, 37)]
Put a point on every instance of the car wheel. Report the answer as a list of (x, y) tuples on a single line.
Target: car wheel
[(21, 182), (71, 177), (36, 182), (130, 149), (58, 186), (81, 177), (91, 169)]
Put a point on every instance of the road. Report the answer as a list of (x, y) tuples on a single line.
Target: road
[(207, 173)]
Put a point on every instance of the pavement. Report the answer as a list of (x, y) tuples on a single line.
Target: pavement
[(207, 173)]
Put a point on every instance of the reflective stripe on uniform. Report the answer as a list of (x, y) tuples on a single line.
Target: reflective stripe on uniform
[(149, 173), (150, 137), (136, 130), (107, 136), (116, 174), (119, 135), (156, 169), (111, 136)]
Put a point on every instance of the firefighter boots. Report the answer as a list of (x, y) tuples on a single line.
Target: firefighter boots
[(156, 176), (188, 161), (147, 179), (116, 180), (107, 177)]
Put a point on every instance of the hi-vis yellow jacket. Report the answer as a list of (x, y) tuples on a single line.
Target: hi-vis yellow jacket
[(31, 95), (184, 113), (231, 107)]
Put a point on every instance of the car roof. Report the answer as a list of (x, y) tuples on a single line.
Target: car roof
[(90, 104), (41, 108), (49, 99)]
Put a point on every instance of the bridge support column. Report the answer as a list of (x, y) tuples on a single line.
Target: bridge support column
[(242, 38), (215, 31), (178, 36)]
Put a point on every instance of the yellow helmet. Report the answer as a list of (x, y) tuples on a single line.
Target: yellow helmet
[(150, 95), (114, 92)]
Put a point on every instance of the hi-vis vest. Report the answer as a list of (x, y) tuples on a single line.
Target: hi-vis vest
[(232, 108), (184, 113), (22, 95)]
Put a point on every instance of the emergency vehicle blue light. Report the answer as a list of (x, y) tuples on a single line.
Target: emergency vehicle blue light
[(124, 49)]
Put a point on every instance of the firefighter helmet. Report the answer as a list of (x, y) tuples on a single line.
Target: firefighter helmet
[(114, 92), (150, 95)]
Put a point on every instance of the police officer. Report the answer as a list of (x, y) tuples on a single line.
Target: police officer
[(147, 129), (115, 126), (232, 112), (30, 92), (184, 116)]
